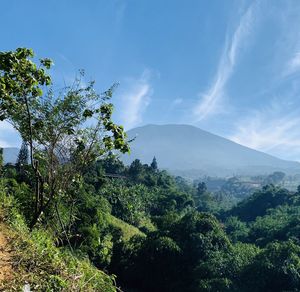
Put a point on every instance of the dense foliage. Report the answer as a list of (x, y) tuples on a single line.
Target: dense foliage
[(155, 232), (149, 229)]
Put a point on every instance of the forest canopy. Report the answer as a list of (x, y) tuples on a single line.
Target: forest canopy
[(154, 231)]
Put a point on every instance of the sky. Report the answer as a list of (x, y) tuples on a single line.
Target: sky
[(228, 67)]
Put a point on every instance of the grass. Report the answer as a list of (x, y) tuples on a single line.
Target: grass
[(37, 261), (128, 231)]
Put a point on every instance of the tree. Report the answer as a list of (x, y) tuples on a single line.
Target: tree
[(154, 265), (201, 189), (23, 157), (112, 164), (204, 200), (275, 178), (236, 229), (54, 125), (154, 164), (221, 272), (276, 268), (136, 169), (261, 200), (1, 160)]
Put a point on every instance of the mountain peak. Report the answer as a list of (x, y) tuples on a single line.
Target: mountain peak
[(180, 147)]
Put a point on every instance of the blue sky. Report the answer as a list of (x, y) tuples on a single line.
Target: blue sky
[(229, 67)]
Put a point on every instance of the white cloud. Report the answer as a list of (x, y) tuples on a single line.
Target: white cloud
[(273, 130), (288, 49), (293, 64), (9, 137), (211, 101), (135, 101)]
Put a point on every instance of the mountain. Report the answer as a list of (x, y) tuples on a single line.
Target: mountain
[(191, 152), (10, 154)]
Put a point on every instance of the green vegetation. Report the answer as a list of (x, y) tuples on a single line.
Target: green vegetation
[(77, 214), (128, 231), (43, 266)]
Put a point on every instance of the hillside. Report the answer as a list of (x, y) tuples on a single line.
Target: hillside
[(190, 152), (30, 260), (5, 255)]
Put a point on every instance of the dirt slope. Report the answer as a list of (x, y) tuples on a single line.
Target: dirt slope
[(6, 271)]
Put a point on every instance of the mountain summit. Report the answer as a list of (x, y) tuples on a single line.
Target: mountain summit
[(190, 151)]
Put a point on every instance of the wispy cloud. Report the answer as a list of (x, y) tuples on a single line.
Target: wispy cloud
[(273, 130), (288, 48), (274, 126), (211, 101), (135, 100), (293, 65)]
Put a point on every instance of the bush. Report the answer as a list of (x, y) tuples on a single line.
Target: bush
[(43, 266)]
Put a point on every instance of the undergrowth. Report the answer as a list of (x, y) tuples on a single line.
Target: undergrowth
[(43, 266)]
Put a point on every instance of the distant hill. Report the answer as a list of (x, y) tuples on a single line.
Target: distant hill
[(191, 152), (10, 154)]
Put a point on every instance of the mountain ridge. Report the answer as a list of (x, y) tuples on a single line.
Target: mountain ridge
[(200, 151)]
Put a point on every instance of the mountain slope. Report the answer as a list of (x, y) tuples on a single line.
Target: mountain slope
[(10, 154), (191, 152)]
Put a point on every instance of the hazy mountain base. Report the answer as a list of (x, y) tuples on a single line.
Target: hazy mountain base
[(192, 174), (10, 154), (191, 152)]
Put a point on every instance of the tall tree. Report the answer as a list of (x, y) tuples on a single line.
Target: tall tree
[(201, 189), (136, 169), (154, 164), (1, 160), (23, 156)]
